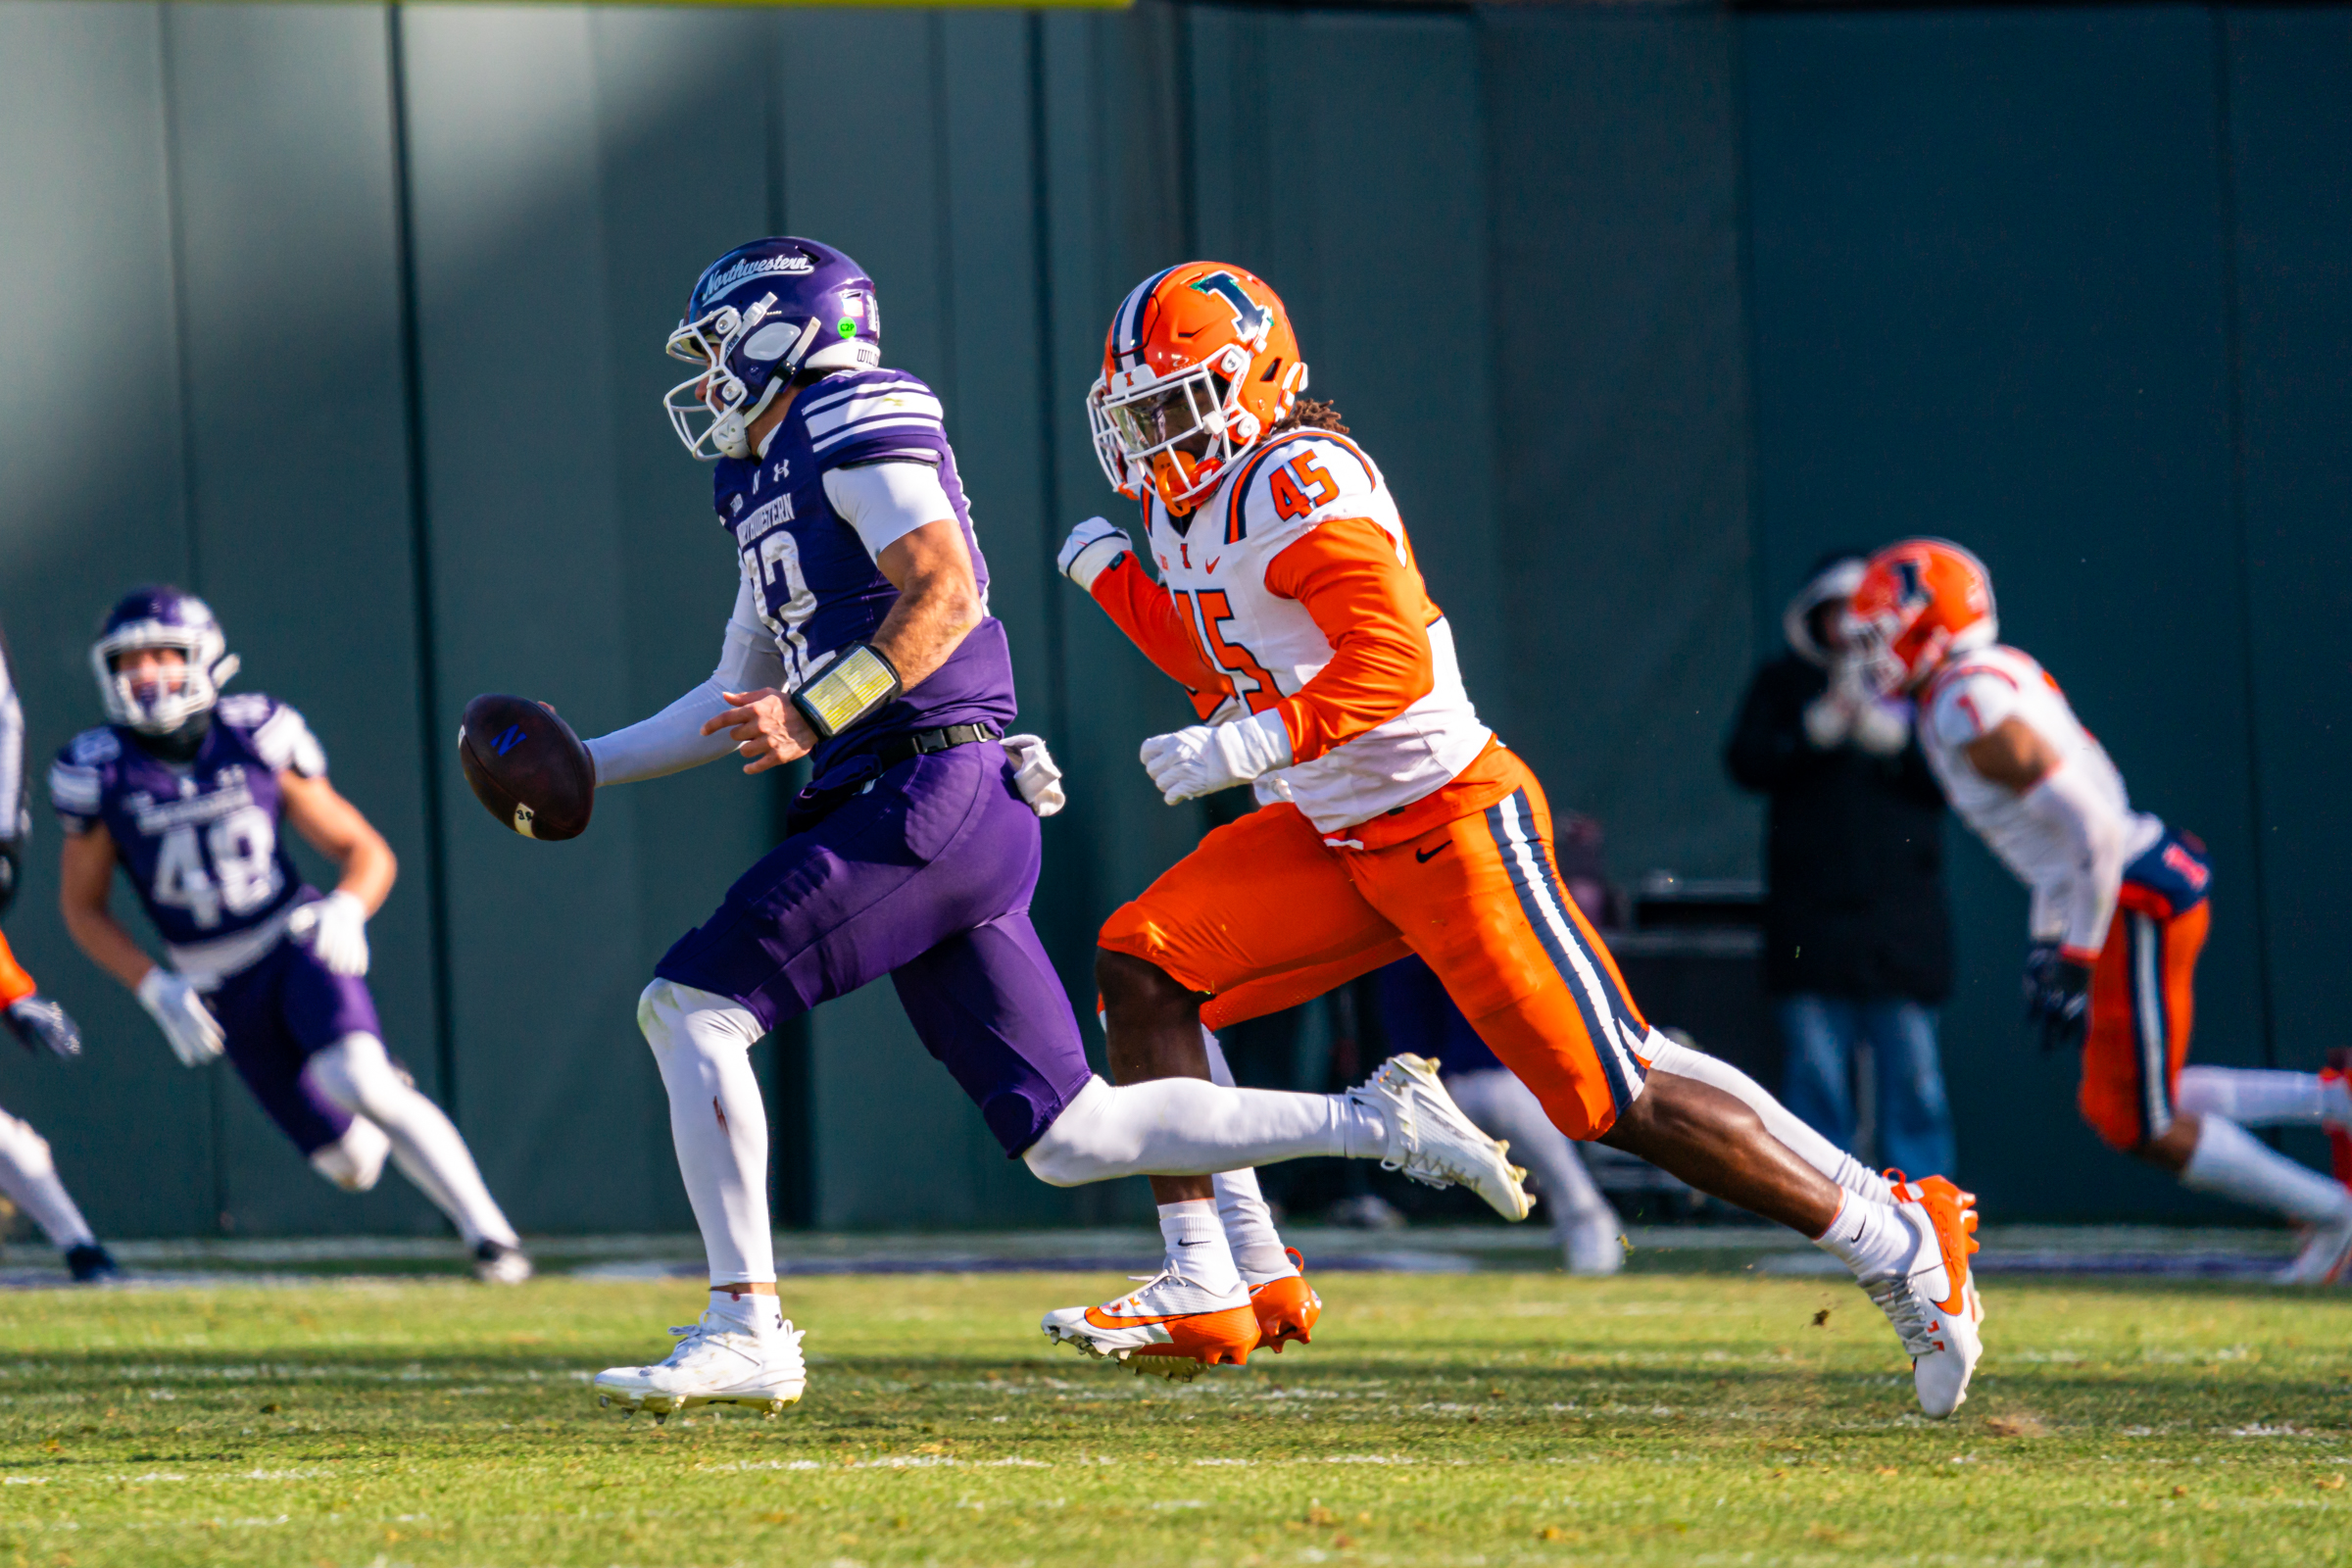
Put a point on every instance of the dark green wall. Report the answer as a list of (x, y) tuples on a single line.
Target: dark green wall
[(350, 318)]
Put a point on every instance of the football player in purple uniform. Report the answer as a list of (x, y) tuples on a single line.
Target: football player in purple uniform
[(27, 1170), (184, 791), (861, 639)]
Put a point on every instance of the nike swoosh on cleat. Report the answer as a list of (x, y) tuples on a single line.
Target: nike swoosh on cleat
[(1136, 1322)]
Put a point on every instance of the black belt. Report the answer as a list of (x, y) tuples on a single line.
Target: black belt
[(925, 742)]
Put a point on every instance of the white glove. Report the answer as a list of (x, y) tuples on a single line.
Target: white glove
[(1090, 547), (1036, 774), (1827, 718), (1206, 757), (1883, 727), (173, 1002), (337, 928)]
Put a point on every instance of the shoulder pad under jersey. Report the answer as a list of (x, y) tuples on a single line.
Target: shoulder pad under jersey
[(1295, 482), (869, 415), (77, 778), (92, 748)]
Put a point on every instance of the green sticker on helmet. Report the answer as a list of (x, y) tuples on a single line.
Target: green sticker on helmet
[(847, 328)]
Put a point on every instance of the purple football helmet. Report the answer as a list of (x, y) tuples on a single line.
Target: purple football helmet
[(162, 616), (757, 316)]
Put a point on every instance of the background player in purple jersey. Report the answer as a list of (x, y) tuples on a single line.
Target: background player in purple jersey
[(861, 639), (184, 791), (27, 1170)]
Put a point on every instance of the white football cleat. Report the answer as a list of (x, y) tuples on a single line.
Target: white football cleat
[(1932, 1301), (1432, 1142), (712, 1364), (2325, 1257), (496, 1264), (1171, 1327)]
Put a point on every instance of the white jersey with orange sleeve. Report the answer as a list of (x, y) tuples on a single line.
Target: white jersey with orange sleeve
[(2073, 858), (1303, 535)]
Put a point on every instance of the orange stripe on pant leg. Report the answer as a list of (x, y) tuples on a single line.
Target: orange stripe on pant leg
[(15, 983)]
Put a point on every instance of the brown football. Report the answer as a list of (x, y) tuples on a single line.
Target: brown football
[(527, 766)]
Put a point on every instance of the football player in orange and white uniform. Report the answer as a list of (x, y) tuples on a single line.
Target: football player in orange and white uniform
[(1391, 819), (2120, 905)]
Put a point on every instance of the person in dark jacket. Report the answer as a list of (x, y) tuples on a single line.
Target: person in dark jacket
[(1858, 937)]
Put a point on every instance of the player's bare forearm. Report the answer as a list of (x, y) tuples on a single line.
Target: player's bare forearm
[(939, 600), (2012, 753), (334, 827), (85, 876), (938, 605)]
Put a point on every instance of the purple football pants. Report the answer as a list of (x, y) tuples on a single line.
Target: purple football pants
[(922, 872), (276, 1015)]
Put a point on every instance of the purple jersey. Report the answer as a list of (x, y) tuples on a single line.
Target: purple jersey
[(819, 591), (198, 840)]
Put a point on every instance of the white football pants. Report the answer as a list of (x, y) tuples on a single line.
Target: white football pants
[(355, 1073), (28, 1176)]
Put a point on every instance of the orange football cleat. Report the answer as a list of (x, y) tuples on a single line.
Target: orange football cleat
[(1287, 1308), (1171, 1327)]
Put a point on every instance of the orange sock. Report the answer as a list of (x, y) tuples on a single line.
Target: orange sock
[(15, 983)]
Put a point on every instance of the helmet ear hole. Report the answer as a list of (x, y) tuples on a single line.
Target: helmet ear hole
[(1273, 368)]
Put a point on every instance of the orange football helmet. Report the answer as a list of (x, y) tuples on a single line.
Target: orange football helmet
[(1921, 602), (1200, 364)]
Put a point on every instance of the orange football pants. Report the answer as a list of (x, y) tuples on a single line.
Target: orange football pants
[(2142, 1002), (15, 983), (1266, 913)]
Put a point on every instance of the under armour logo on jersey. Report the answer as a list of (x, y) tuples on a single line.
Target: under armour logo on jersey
[(737, 505), (1250, 318), (778, 473)]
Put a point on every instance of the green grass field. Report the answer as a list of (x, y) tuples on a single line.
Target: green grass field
[(1470, 1419)]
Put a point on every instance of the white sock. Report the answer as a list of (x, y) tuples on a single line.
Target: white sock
[(717, 1122), (355, 1073), (1870, 1239), (1196, 1249), (1778, 1120), (2230, 1162), (1507, 1108), (28, 1176), (1191, 1127), (747, 1313), (2256, 1096), (1248, 1223)]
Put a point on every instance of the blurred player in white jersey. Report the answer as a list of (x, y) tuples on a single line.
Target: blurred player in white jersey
[(2120, 907), (28, 1172)]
